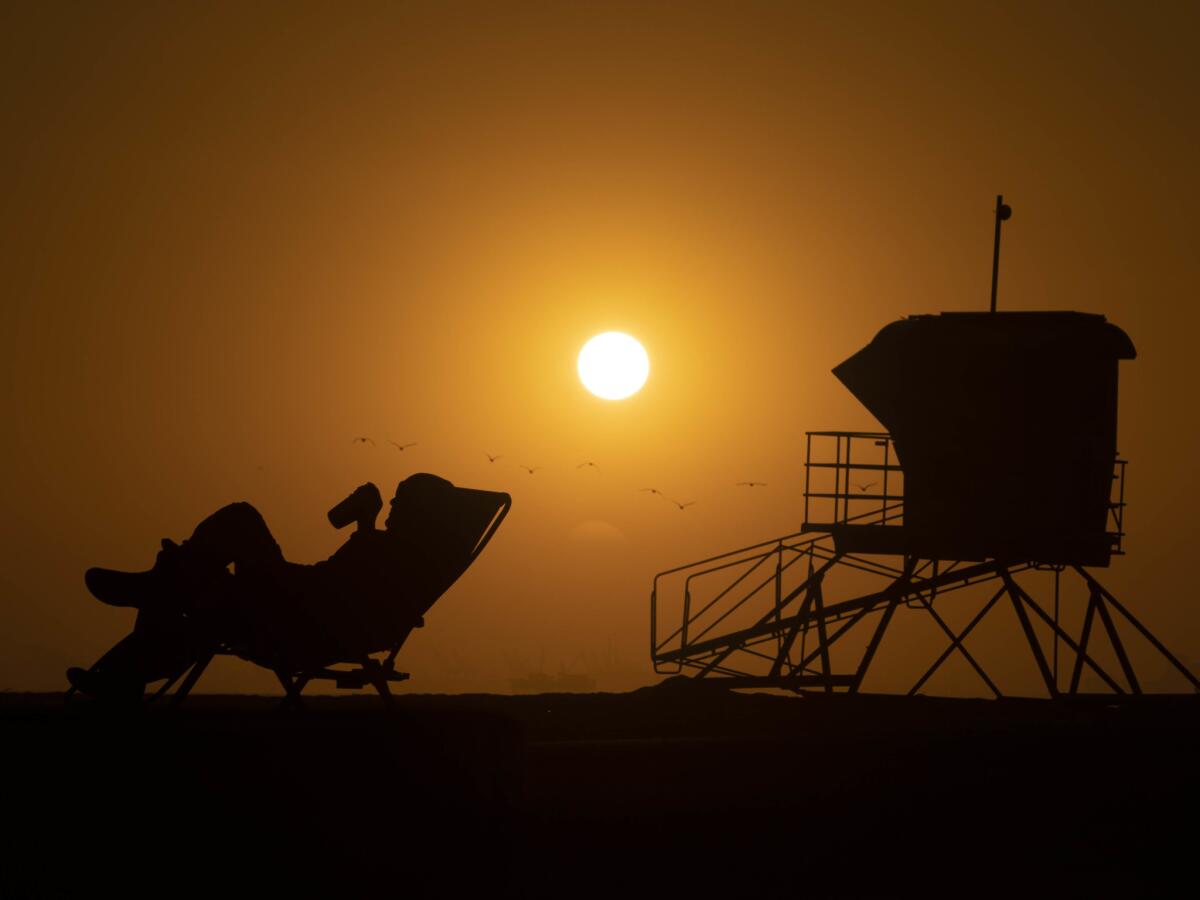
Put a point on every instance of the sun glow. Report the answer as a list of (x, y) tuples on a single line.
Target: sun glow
[(613, 365)]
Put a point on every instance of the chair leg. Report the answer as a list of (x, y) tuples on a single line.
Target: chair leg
[(166, 686), (299, 685), (292, 688), (375, 672), (190, 681), (114, 650)]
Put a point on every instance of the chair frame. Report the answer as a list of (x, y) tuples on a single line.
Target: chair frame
[(369, 670)]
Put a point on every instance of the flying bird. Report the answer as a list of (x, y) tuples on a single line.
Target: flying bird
[(531, 469), (402, 447), (363, 440), (752, 483), (866, 487), (583, 465), (491, 458), (683, 506), (651, 491)]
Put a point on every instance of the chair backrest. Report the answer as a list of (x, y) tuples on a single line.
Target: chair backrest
[(452, 525), (444, 527)]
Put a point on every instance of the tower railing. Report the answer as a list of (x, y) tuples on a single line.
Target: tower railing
[(1116, 507), (751, 579), (850, 476)]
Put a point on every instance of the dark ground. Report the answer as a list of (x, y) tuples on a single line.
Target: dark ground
[(676, 789)]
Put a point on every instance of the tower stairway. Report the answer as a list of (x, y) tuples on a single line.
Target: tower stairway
[(809, 611)]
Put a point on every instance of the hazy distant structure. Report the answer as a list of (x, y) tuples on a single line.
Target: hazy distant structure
[(562, 682), (999, 471)]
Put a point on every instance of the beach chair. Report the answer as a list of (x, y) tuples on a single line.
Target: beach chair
[(457, 527)]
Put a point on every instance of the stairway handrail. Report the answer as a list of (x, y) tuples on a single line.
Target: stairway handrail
[(788, 541)]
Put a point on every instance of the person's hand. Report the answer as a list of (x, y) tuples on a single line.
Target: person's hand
[(362, 507)]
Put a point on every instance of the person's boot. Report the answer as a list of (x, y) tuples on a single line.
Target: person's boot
[(108, 686), (138, 589)]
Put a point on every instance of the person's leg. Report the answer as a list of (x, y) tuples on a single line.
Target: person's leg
[(114, 676), (233, 534), (162, 645), (191, 578)]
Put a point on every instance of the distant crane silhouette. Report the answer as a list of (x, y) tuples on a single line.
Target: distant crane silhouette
[(402, 447), (531, 469), (491, 458), (752, 483), (362, 440)]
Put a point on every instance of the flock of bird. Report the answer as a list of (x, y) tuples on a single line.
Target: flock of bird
[(398, 446), (681, 505)]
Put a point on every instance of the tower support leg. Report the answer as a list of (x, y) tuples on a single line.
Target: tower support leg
[(1018, 598), (1115, 640), (785, 651), (822, 639), (1084, 637), (1097, 586), (869, 653), (1032, 604), (956, 643)]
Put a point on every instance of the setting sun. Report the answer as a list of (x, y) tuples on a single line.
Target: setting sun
[(613, 365)]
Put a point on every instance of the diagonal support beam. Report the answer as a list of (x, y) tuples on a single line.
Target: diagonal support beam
[(956, 643), (757, 629), (898, 590), (893, 596), (1108, 679), (1142, 629), (869, 653), (785, 651), (1084, 636), (1115, 640), (798, 671), (822, 638), (1018, 599)]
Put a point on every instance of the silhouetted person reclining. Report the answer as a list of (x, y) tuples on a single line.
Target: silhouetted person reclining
[(287, 614)]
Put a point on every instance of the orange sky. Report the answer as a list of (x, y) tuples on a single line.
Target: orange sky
[(234, 240)]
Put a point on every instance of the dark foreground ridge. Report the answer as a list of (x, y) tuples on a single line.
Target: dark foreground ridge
[(674, 788)]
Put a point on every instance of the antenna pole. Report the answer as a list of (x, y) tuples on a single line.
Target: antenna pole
[(1003, 212)]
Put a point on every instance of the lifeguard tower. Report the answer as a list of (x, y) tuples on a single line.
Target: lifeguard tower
[(997, 478)]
